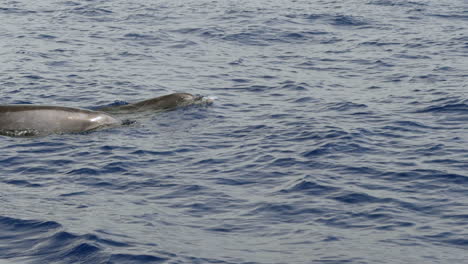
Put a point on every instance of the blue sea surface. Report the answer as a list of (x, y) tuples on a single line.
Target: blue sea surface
[(339, 133)]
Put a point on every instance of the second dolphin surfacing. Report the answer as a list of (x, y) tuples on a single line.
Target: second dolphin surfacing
[(158, 104)]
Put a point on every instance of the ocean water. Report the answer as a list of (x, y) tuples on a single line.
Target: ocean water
[(339, 133)]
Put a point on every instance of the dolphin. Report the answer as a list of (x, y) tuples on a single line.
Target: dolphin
[(32, 120), (161, 103)]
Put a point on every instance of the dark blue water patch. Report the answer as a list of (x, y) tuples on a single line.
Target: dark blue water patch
[(73, 194), (427, 78), (115, 168), (83, 171), (237, 62), (306, 99), (138, 36), (394, 226), (396, 78), (234, 182), (398, 3), (241, 80), (46, 242), (22, 183), (372, 64), (302, 37), (130, 259), (447, 238), (260, 36), (453, 178), (292, 86), (358, 198), (46, 36), (38, 170), (211, 161), (413, 57), (14, 10), (458, 107), (295, 36), (284, 162), (226, 228), (413, 124), (337, 148), (344, 20), (27, 226), (70, 3), (416, 176), (452, 162), (211, 32), (33, 77), (450, 16), (335, 20), (397, 128), (456, 219), (157, 153), (57, 63)]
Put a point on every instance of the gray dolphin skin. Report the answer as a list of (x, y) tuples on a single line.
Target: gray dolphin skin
[(35, 120), (162, 103), (32, 120)]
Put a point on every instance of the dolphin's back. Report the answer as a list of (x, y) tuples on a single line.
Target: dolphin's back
[(161, 103), (51, 119)]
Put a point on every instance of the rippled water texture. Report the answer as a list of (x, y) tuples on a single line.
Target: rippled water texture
[(339, 134)]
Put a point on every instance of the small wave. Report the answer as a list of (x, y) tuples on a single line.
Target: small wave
[(345, 106), (22, 183), (399, 3), (448, 238), (135, 259), (460, 107), (337, 20), (451, 16), (425, 176), (337, 148), (354, 198), (308, 187), (306, 99), (292, 86), (13, 10), (91, 11), (348, 21), (47, 242)]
